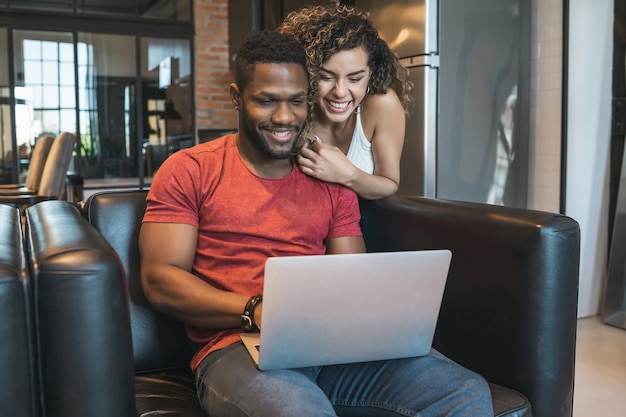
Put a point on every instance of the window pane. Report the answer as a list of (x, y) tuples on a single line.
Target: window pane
[(32, 50), (68, 121), (40, 75), (51, 73), (82, 51), (37, 123), (67, 97), (50, 97), (66, 52), (36, 92), (32, 72), (83, 99), (50, 51), (66, 76), (50, 121)]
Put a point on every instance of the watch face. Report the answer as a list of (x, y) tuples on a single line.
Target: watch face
[(247, 318), (246, 322)]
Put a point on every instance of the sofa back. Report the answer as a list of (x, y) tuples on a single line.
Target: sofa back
[(85, 354), (159, 341), (18, 382)]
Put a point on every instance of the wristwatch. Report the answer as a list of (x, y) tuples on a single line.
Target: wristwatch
[(247, 317)]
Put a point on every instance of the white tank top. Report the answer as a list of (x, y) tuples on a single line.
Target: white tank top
[(360, 151)]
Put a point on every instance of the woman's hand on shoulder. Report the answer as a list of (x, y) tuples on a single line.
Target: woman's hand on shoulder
[(326, 162)]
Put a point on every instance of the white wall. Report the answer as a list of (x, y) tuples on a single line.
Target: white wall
[(588, 135)]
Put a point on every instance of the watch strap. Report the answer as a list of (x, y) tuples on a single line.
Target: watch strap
[(247, 317)]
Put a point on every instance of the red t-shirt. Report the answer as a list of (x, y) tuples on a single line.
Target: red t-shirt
[(243, 219)]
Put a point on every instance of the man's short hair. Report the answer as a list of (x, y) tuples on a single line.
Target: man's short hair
[(268, 47)]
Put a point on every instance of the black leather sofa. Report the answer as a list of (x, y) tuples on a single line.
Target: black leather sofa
[(18, 380), (509, 310)]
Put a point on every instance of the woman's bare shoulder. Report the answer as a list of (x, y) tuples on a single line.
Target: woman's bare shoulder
[(382, 109), (383, 101)]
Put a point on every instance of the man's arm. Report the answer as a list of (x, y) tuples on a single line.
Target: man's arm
[(167, 254), (346, 244)]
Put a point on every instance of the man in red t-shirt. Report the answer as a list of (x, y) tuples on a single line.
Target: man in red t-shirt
[(218, 210)]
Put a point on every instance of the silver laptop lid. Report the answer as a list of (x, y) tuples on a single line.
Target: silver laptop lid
[(332, 309)]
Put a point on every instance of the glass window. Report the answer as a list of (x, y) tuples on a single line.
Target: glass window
[(87, 83), (106, 67), (44, 104), (166, 83)]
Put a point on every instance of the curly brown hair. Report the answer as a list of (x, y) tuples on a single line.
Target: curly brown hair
[(326, 29)]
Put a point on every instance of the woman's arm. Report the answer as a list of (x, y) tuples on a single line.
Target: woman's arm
[(384, 117)]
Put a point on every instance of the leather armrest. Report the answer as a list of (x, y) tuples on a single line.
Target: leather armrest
[(510, 305), (82, 315), (18, 381)]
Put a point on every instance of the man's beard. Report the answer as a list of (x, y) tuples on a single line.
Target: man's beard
[(255, 138)]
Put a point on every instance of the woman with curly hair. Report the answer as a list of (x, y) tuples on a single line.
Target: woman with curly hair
[(361, 96)]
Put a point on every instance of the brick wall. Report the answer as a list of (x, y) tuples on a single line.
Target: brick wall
[(214, 109)]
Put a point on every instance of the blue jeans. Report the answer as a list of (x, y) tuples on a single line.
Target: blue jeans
[(229, 385)]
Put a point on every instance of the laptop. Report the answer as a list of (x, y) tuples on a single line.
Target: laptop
[(335, 309)]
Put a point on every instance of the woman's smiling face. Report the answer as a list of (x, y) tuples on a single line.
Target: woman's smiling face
[(343, 84)]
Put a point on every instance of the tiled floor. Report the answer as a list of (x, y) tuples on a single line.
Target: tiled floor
[(600, 382)]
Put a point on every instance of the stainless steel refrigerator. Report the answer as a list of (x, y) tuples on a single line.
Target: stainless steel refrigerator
[(467, 135)]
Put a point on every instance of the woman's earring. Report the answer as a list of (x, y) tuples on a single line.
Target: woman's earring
[(367, 91)]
